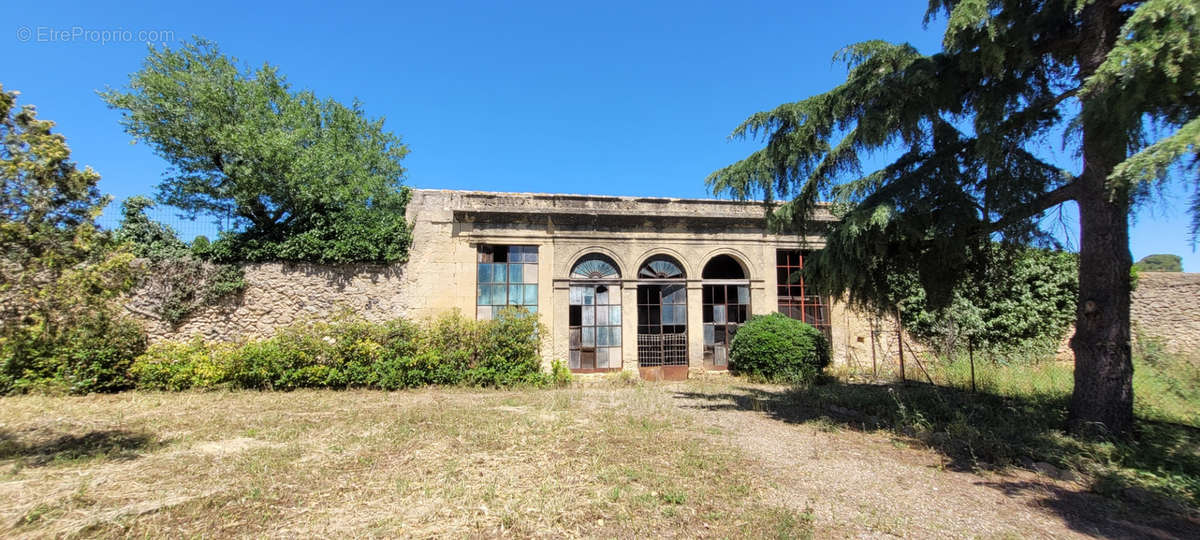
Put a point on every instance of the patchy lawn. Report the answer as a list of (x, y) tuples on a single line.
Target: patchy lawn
[(710, 459)]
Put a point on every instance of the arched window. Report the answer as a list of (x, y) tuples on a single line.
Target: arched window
[(595, 266), (723, 267), (661, 267), (595, 314), (662, 317), (726, 293)]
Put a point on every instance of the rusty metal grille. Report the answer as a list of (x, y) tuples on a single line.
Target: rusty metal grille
[(662, 350)]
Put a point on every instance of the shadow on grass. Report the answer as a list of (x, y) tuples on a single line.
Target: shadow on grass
[(111, 444), (1158, 469)]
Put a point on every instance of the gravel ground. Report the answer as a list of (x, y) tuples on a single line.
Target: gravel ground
[(875, 485)]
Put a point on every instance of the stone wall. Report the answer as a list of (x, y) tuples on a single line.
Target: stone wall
[(1167, 305), (277, 295)]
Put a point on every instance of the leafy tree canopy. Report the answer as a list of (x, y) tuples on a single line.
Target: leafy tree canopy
[(302, 178), (1024, 301), (1118, 80), (1160, 262), (146, 237)]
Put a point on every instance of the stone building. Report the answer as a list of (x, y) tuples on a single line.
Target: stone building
[(653, 284)]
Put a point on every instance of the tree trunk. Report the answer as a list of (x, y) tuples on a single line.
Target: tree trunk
[(1103, 398)]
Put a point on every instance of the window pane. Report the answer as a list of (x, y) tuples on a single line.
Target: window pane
[(532, 309), (681, 314), (499, 296), (718, 314), (614, 314), (602, 358), (589, 315), (601, 295), (499, 272), (614, 357), (589, 296), (574, 359), (485, 273), (602, 315), (514, 294), (589, 336), (530, 295), (602, 336), (514, 273), (614, 336), (530, 273), (483, 313), (674, 294), (668, 315), (576, 296), (482, 298), (743, 294)]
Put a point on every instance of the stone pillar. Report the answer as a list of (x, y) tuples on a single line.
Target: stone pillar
[(695, 324), (629, 316)]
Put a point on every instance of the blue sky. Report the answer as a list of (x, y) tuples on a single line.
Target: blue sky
[(619, 98)]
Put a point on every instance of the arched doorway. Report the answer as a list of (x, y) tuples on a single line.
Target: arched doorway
[(662, 319), (595, 315), (726, 296)]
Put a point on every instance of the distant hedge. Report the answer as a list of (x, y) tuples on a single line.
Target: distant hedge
[(354, 353), (777, 348)]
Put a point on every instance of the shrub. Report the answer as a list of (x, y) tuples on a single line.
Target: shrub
[(509, 351), (181, 366), (92, 355), (97, 354), (776, 348), (352, 352)]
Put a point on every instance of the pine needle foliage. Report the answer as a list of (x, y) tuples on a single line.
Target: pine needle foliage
[(971, 126)]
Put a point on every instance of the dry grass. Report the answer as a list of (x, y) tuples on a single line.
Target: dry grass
[(611, 462)]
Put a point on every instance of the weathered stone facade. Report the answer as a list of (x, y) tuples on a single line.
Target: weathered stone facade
[(278, 294), (1167, 305), (442, 272)]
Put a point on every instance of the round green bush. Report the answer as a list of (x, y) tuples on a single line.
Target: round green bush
[(776, 348)]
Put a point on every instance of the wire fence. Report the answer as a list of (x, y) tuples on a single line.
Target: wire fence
[(890, 356), (187, 229)]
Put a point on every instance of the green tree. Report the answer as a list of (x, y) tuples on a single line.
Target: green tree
[(1160, 262), (1023, 301), (146, 237), (58, 272), (302, 178), (1118, 79)]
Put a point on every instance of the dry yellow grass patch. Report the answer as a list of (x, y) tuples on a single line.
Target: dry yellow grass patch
[(580, 462)]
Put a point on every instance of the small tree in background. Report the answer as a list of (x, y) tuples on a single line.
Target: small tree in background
[(1160, 262), (303, 178)]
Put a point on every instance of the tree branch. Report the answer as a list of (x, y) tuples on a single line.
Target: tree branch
[(1048, 200)]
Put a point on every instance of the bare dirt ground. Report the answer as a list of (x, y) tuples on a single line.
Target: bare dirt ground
[(697, 459), (879, 485)]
